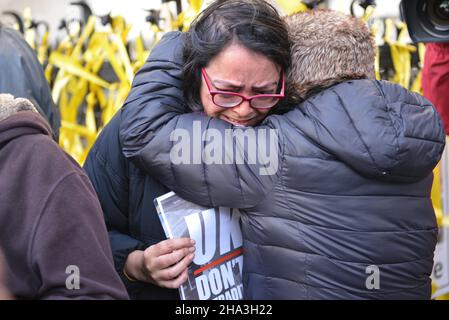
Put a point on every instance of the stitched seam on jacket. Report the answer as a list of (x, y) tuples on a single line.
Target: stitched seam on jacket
[(203, 165), (291, 212), (279, 175), (423, 139), (237, 177), (342, 163), (279, 180), (310, 253), (332, 288), (356, 130), (348, 230), (313, 157), (376, 84), (362, 195), (171, 148), (307, 274)]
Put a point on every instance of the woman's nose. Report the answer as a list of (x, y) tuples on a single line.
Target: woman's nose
[(243, 110)]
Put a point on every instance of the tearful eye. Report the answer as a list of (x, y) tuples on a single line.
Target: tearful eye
[(226, 97)]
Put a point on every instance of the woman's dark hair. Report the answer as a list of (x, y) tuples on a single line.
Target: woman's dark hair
[(255, 24)]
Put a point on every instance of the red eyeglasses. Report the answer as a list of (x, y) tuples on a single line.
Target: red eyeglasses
[(227, 99)]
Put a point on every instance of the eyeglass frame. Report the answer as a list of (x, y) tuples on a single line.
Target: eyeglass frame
[(213, 93)]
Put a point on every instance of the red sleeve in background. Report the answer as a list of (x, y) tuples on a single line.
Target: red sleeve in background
[(435, 78)]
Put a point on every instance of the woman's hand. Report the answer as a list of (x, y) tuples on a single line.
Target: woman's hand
[(163, 264)]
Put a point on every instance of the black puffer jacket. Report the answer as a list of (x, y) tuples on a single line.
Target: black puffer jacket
[(351, 188), (126, 196)]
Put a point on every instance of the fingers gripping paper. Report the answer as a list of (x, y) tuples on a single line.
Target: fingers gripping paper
[(216, 271)]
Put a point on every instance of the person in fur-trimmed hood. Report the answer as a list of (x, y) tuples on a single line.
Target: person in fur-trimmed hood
[(328, 47), (52, 233), (346, 214)]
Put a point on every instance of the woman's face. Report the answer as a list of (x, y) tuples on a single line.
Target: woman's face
[(238, 69)]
